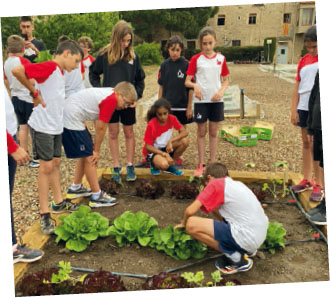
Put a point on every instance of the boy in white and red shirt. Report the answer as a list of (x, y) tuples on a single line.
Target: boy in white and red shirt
[(21, 98), (86, 44), (240, 226), (46, 123), (92, 104)]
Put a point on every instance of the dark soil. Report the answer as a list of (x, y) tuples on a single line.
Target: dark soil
[(296, 263)]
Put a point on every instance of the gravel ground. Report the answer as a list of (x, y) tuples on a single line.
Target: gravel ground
[(273, 93)]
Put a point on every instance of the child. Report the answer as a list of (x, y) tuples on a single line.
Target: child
[(21, 97), (89, 105), (74, 80), (171, 78), (86, 44), (118, 62), (161, 149), (46, 123), (307, 68), (207, 68), (240, 226)]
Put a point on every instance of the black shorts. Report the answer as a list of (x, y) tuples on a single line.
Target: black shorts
[(77, 143), (46, 146), (23, 110), (303, 116), (318, 147), (151, 156), (209, 111), (181, 115), (126, 116)]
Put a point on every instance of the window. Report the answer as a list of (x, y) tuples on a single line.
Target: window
[(252, 18), (287, 18), (307, 16), (236, 43), (282, 51), (191, 44), (221, 20)]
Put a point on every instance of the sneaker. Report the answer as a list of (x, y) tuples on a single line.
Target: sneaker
[(302, 186), (174, 171), (47, 224), (65, 206), (26, 255), (319, 218), (34, 163), (80, 192), (116, 174), (153, 170), (226, 266), (104, 200), (200, 170), (317, 193), (316, 209), (130, 173)]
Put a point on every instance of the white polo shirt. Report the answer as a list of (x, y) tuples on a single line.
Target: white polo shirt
[(74, 80), (87, 63)]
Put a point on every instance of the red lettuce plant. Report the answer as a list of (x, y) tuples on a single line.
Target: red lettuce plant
[(150, 190), (165, 281)]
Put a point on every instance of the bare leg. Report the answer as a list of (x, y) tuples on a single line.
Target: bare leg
[(129, 143), (55, 182), (46, 167), (160, 162), (91, 174), (179, 147), (113, 143), (201, 132), (79, 171), (23, 136), (213, 139), (307, 155)]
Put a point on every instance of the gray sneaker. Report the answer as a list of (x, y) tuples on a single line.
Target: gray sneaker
[(80, 192), (65, 206), (317, 209), (320, 218), (130, 173), (26, 255), (47, 224), (104, 200)]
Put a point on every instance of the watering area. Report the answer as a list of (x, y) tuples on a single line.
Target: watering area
[(232, 106), (285, 72)]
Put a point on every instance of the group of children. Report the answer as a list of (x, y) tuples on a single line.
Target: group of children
[(59, 117)]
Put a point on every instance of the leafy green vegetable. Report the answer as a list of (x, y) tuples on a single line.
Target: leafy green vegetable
[(275, 237), (44, 56), (81, 227), (196, 278)]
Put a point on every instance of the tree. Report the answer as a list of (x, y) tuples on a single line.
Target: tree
[(9, 26), (188, 21)]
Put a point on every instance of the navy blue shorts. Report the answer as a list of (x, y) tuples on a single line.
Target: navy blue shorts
[(303, 115), (209, 111), (23, 110), (77, 143), (226, 241)]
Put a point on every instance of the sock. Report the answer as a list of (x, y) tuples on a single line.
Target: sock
[(14, 247), (75, 186), (129, 164), (95, 195), (235, 257)]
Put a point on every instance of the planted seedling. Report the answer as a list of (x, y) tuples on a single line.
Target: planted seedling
[(186, 191), (275, 237), (196, 279), (165, 281), (259, 193), (283, 164), (150, 190), (110, 186)]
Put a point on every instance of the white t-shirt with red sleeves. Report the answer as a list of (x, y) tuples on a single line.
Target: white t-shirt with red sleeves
[(237, 204), (87, 63), (51, 85), (307, 69), (16, 88), (88, 105), (207, 72), (158, 135), (74, 80)]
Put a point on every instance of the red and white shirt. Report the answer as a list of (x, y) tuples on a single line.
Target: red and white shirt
[(88, 105), (16, 88), (87, 63), (51, 85), (237, 204), (207, 72), (157, 135), (307, 69), (74, 80)]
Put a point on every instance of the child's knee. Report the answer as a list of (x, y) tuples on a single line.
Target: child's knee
[(46, 167), (306, 143), (129, 133), (163, 165), (185, 142), (191, 225)]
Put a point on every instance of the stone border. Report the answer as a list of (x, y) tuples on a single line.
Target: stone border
[(36, 240)]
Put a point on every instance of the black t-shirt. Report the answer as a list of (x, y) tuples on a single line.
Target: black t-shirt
[(30, 54), (172, 75)]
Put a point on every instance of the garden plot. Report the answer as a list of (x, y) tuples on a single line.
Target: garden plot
[(295, 263), (285, 72)]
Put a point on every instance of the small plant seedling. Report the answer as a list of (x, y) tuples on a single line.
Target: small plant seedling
[(250, 165), (196, 279), (283, 164), (275, 237)]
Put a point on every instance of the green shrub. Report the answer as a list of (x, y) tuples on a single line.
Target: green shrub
[(272, 48), (188, 53), (148, 53), (251, 53)]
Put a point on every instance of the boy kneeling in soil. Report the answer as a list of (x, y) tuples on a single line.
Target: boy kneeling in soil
[(89, 105), (240, 226)]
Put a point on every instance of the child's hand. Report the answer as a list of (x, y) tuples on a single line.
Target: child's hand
[(169, 159), (198, 92), (169, 147), (38, 100), (95, 158), (294, 118), (20, 156), (189, 113), (217, 96)]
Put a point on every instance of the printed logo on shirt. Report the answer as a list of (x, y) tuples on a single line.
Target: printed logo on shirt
[(199, 116), (82, 147), (131, 62), (218, 62), (180, 74)]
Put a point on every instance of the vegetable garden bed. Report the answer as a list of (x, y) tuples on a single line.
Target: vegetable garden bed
[(295, 263)]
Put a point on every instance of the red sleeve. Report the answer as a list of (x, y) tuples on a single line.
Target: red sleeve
[(40, 71), (107, 106), (224, 70), (11, 144), (24, 61), (176, 123), (91, 58), (192, 68), (148, 139), (300, 65), (82, 67), (212, 196)]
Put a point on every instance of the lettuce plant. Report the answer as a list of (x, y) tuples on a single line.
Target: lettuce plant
[(165, 281), (275, 237), (81, 227)]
